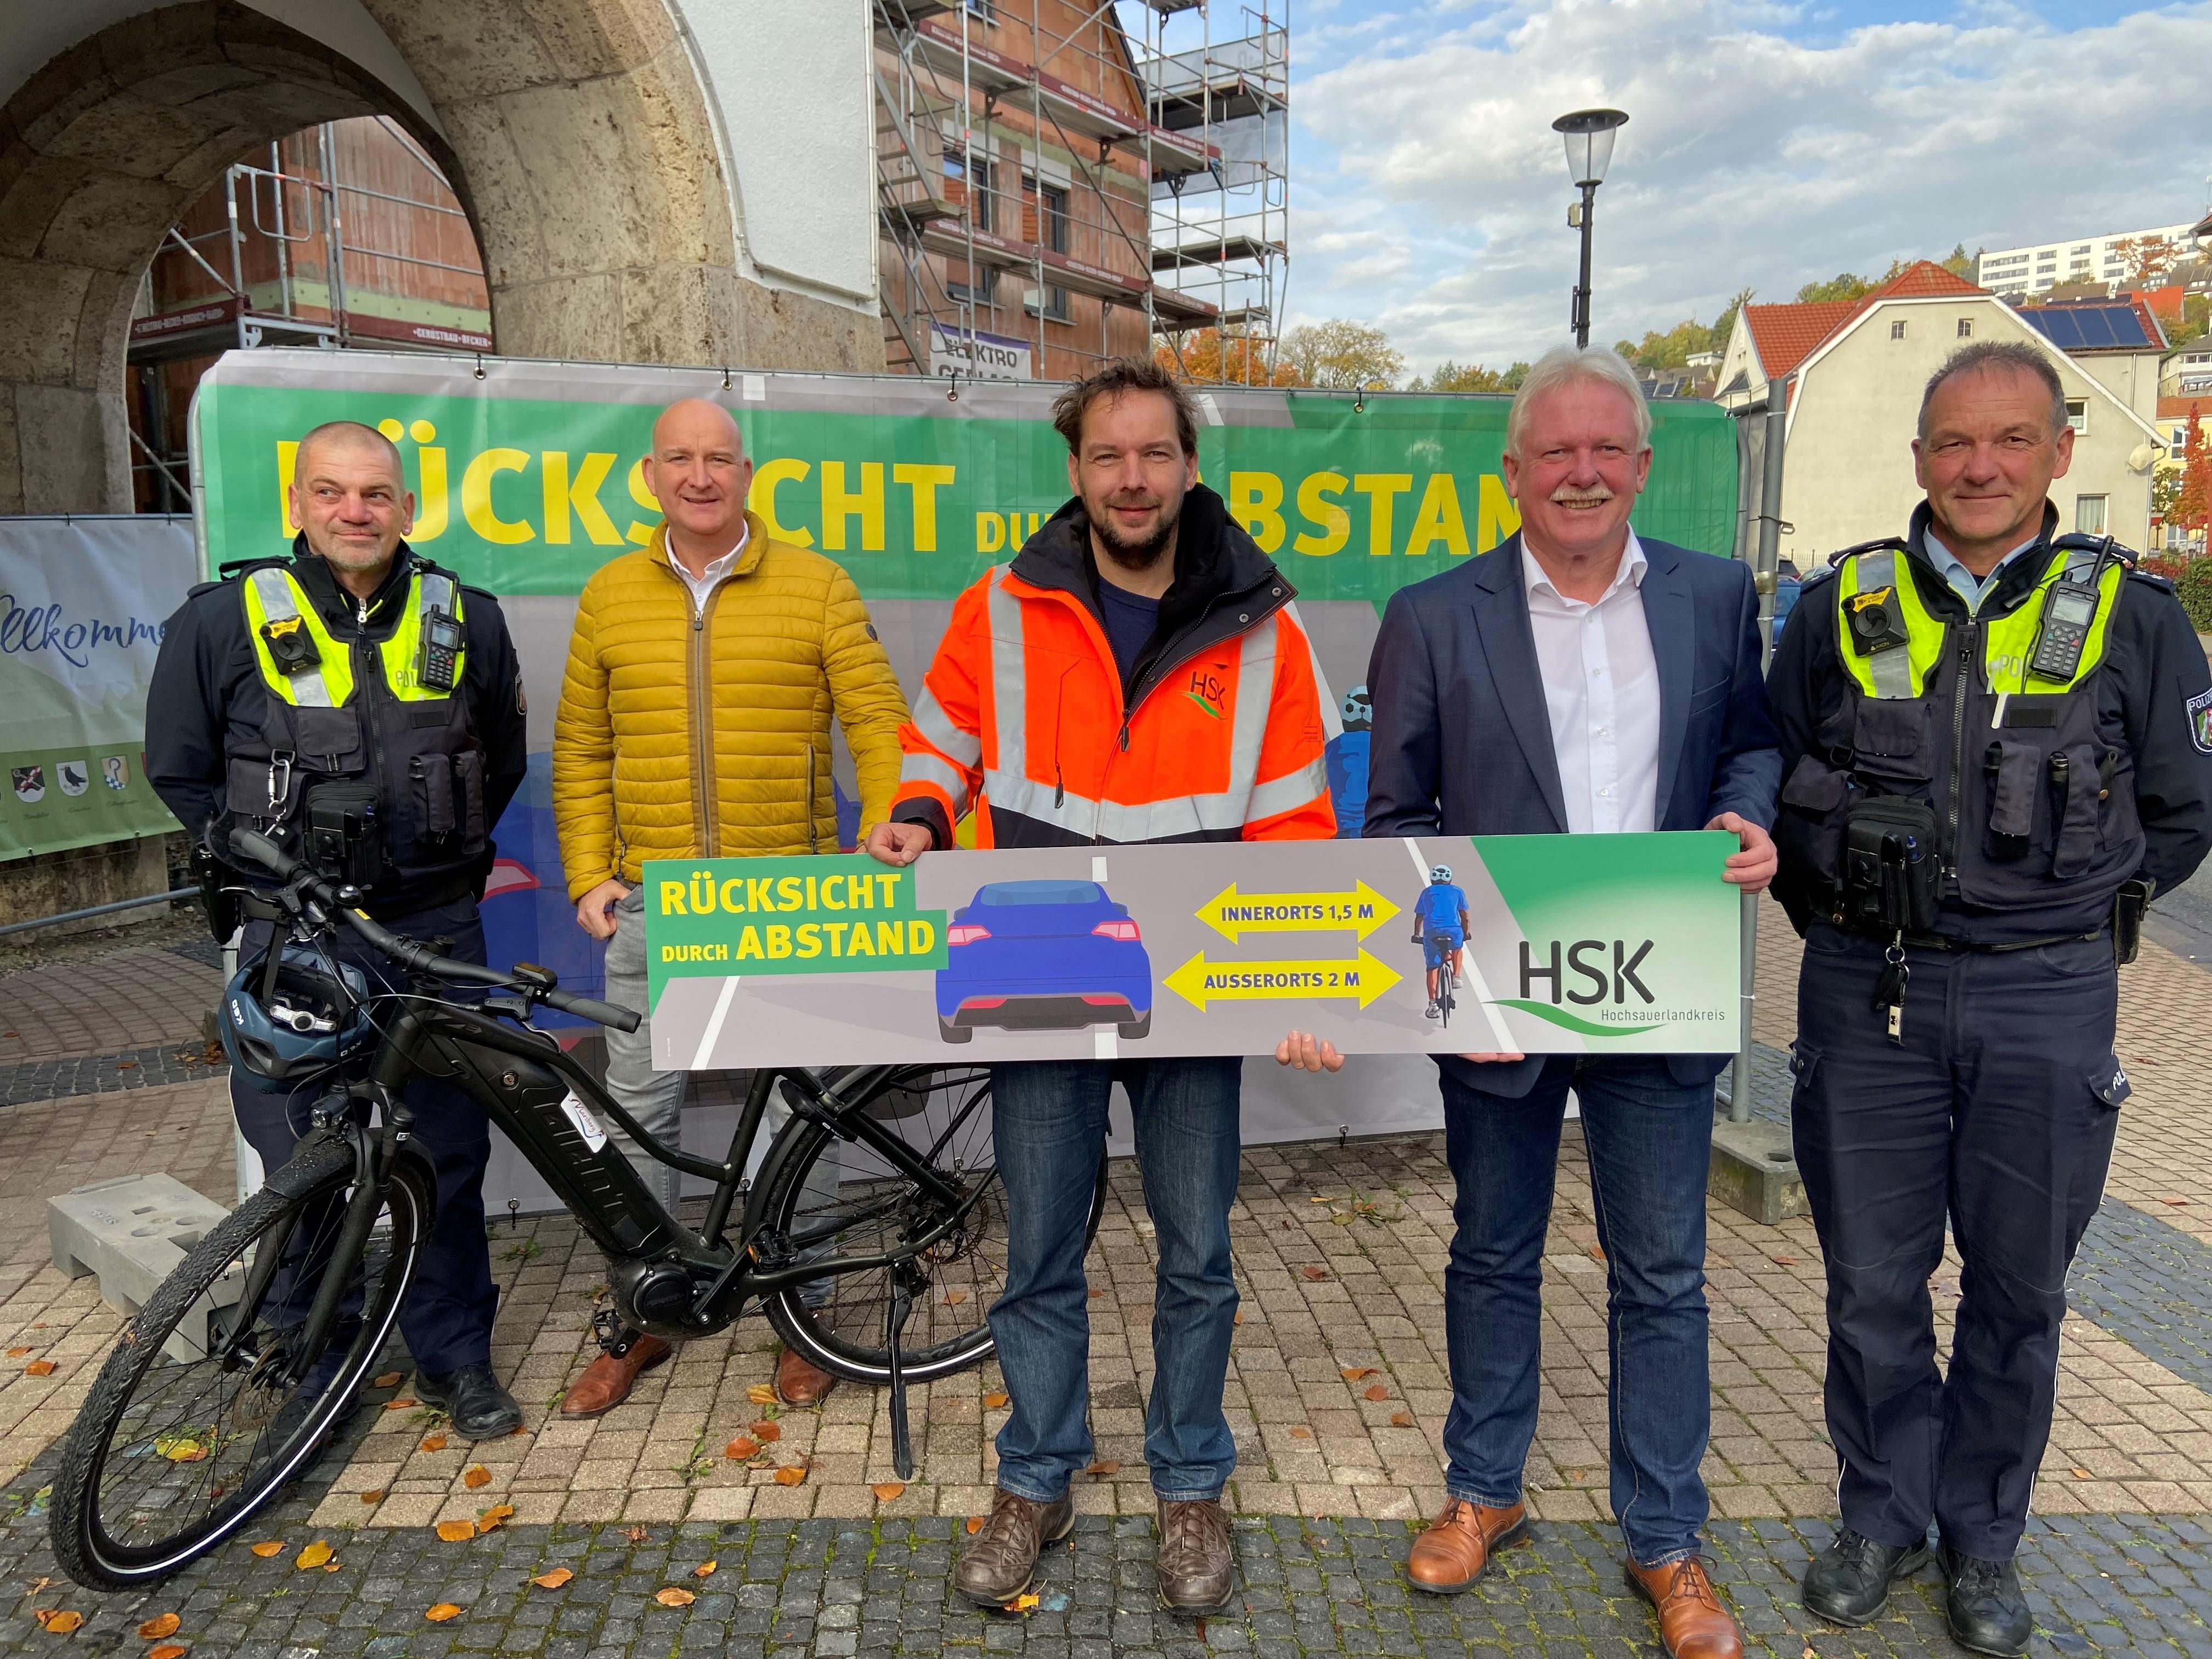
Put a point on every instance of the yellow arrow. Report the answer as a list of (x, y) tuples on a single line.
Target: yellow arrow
[(1197, 980), (1229, 913)]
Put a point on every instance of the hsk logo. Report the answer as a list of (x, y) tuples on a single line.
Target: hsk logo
[(1586, 958)]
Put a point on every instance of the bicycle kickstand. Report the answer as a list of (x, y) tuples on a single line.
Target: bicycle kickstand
[(895, 1318)]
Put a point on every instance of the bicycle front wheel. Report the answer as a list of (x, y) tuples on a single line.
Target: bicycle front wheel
[(206, 1410), (833, 1199)]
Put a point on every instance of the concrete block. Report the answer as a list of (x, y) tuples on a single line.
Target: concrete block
[(1754, 1172), (134, 1231)]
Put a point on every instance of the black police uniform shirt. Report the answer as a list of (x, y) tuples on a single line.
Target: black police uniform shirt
[(207, 697), (2152, 693)]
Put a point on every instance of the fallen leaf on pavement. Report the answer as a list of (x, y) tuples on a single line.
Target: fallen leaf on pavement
[(476, 1475), (672, 1597), (1313, 1272), (433, 1443), (330, 1566), (761, 1395), (1376, 1391), (1102, 1468), (2178, 1203), (438, 1612), (975, 1524), (42, 1368), (705, 1569), (376, 1497), (791, 1474), (1353, 1373), (1343, 1219), (454, 1532), (1316, 1199), (637, 1534), (1302, 1434), (1093, 1297), (168, 1650), (1401, 1420), (765, 1431), (1784, 1260), (954, 1299), (2082, 1474), (495, 1517), (401, 1406), (313, 1556), (59, 1621), (154, 1629), (742, 1447), (554, 1579), (273, 1546), (885, 1490), (992, 1401), (1022, 1603), (17, 1353), (389, 1380), (1237, 1318)]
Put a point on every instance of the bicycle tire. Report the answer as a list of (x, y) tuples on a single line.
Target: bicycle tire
[(82, 1524), (845, 1336)]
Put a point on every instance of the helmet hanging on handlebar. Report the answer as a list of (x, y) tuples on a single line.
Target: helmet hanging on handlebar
[(308, 1018)]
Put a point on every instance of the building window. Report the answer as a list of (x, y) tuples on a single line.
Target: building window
[(1897, 330), (2077, 414), (2089, 514), (1966, 328), (1056, 303), (980, 11), (981, 290), (977, 172)]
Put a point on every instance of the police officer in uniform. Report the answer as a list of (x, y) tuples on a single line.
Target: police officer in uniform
[(356, 703), (1994, 753)]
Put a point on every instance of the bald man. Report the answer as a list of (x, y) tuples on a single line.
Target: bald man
[(694, 722), (437, 744)]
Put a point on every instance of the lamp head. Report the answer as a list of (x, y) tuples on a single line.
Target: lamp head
[(1589, 133)]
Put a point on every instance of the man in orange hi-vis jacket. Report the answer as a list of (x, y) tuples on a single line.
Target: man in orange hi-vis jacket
[(1136, 673)]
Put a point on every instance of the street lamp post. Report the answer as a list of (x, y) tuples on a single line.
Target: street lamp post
[(1589, 133)]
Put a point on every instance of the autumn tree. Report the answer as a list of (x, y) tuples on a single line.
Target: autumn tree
[(1343, 355), (1959, 262), (1450, 376), (2192, 503), (2143, 260), (1215, 356), (1844, 285)]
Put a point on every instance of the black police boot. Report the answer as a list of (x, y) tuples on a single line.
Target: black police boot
[(1848, 1583), (1988, 1609), (481, 1409)]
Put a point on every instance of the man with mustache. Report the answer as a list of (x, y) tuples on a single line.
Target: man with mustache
[(1578, 679), (1136, 673)]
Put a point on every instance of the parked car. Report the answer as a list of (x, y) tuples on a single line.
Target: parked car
[(1039, 956)]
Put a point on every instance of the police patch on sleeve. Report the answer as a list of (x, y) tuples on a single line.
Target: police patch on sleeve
[(2199, 710)]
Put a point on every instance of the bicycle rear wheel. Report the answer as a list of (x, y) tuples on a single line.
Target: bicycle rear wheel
[(194, 1423), (833, 1199)]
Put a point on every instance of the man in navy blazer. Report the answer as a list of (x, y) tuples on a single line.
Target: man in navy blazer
[(1578, 679)]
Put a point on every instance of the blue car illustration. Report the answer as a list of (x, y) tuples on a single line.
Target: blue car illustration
[(1043, 956)]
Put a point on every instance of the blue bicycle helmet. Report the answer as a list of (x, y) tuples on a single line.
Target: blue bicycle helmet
[(312, 1020)]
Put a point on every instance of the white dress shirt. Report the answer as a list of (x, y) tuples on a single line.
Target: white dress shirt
[(1601, 690), (703, 587)]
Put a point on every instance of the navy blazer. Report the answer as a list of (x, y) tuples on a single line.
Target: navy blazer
[(1462, 736)]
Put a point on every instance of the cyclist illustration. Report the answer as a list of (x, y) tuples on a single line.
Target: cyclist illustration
[(1440, 923)]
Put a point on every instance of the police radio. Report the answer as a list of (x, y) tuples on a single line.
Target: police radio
[(2069, 609), (438, 661)]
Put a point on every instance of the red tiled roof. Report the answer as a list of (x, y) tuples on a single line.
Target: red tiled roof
[(2177, 408), (1785, 335)]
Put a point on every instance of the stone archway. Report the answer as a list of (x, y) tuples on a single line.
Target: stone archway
[(574, 132)]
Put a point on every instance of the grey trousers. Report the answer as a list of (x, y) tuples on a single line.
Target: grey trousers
[(655, 1099)]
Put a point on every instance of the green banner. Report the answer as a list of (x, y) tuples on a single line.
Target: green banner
[(527, 479)]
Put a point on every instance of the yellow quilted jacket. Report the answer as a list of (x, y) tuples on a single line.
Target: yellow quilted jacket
[(675, 741)]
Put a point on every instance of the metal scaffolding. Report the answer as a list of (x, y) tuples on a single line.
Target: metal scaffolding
[(1014, 152), (1221, 234)]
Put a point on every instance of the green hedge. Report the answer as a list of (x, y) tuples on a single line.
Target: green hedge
[(2195, 586)]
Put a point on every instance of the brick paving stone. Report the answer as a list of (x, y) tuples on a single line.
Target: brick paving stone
[(108, 1004)]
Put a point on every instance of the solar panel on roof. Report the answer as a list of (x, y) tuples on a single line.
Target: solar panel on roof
[(2090, 328)]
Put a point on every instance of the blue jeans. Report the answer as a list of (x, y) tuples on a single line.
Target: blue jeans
[(1650, 1141), (1048, 1118)]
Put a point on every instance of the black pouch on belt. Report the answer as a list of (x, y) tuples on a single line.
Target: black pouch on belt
[(2128, 908), (1892, 872), (345, 833)]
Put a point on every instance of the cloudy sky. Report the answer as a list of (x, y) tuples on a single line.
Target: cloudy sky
[(1770, 143)]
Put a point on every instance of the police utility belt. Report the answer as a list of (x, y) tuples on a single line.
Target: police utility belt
[(1889, 883), (366, 764)]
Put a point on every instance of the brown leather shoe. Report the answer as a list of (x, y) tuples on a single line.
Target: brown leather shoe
[(607, 1381), (1451, 1554), (1693, 1623), (1196, 1564), (1000, 1560), (798, 1383)]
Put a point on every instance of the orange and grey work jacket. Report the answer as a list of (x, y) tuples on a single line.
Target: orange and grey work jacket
[(1218, 736)]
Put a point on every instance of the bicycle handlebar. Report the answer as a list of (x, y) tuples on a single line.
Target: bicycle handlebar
[(419, 958)]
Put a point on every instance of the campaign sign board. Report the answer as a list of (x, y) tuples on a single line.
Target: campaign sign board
[(1552, 944)]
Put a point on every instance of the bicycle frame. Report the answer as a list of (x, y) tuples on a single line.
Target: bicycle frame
[(667, 1279)]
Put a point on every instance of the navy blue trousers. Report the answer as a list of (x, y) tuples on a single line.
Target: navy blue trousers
[(1996, 1113), (447, 1318)]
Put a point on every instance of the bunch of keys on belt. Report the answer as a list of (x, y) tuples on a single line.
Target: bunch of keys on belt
[(1889, 988)]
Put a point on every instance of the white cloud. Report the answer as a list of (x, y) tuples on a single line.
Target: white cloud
[(1429, 193)]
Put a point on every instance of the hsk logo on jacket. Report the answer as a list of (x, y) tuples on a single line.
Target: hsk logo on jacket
[(1219, 736)]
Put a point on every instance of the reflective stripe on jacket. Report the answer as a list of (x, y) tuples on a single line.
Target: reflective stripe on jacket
[(1023, 715)]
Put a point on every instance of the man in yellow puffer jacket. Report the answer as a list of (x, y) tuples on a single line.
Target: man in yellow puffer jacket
[(695, 723)]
